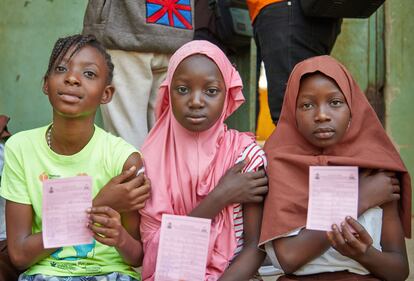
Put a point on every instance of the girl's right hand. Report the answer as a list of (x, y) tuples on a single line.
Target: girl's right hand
[(237, 187), (377, 188)]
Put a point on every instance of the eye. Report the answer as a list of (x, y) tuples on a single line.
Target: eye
[(337, 103), (212, 91), (60, 68), (182, 90), (306, 106), (89, 74)]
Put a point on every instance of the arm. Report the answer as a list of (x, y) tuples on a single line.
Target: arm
[(251, 257), (359, 247), (233, 187), (125, 192), (25, 248), (122, 231), (295, 251)]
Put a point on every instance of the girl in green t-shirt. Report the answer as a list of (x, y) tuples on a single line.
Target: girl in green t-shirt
[(77, 81)]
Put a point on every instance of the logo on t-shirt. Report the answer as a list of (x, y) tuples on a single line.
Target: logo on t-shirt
[(174, 13)]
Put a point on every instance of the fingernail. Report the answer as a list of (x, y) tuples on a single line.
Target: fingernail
[(342, 224), (88, 210), (348, 218), (132, 168), (334, 227)]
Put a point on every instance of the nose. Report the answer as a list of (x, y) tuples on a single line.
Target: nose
[(322, 114), (71, 79), (196, 99)]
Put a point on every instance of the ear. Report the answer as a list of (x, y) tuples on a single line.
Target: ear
[(107, 95), (45, 87)]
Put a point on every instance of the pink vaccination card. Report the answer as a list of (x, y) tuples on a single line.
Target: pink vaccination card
[(333, 195), (64, 217), (183, 247)]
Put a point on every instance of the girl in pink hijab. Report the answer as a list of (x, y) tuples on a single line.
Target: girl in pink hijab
[(191, 156)]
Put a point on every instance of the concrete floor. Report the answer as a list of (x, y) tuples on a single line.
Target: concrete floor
[(410, 251)]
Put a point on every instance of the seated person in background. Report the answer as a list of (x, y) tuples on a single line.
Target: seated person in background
[(7, 270), (327, 120), (77, 81)]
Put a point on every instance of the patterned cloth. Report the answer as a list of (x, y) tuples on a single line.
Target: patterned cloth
[(171, 13), (108, 277)]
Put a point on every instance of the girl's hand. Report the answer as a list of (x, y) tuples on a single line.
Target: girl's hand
[(238, 187), (106, 225), (377, 188), (125, 192), (348, 244)]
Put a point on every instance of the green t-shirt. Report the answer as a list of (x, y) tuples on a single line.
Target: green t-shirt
[(29, 161)]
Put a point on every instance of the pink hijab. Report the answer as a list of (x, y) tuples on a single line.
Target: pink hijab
[(185, 166)]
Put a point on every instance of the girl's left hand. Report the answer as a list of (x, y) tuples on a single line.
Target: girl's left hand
[(349, 244), (106, 225)]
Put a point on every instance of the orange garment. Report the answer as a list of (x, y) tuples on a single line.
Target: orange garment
[(255, 6), (365, 144)]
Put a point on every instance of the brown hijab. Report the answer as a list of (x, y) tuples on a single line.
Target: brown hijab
[(365, 144)]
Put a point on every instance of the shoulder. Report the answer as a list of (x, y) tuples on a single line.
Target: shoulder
[(255, 157), (22, 138), (111, 141), (117, 151)]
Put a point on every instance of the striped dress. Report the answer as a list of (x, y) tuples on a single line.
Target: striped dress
[(257, 159)]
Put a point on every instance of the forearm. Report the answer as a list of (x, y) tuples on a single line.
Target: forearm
[(245, 265), (131, 250), (296, 251), (27, 251), (209, 207), (379, 264), (393, 254)]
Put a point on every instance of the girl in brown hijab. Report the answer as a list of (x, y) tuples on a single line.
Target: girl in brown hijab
[(327, 120)]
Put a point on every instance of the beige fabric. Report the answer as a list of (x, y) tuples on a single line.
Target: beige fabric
[(137, 77)]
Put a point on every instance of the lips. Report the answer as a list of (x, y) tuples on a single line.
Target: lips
[(69, 97), (196, 119), (324, 133)]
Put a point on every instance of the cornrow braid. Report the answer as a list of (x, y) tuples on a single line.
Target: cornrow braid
[(62, 46)]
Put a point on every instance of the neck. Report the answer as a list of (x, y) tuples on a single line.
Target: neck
[(69, 136)]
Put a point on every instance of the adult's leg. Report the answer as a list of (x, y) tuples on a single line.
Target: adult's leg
[(126, 114), (286, 37), (159, 66)]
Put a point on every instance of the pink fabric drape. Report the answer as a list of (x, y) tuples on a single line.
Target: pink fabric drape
[(185, 166)]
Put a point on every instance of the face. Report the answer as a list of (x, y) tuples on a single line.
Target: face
[(76, 87), (197, 93), (322, 113)]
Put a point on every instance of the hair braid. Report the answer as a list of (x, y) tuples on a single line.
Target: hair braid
[(77, 41)]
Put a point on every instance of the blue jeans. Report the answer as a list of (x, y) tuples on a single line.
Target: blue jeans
[(284, 37)]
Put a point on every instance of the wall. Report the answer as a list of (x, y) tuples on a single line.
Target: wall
[(399, 38), (28, 30)]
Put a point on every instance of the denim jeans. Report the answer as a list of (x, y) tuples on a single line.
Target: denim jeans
[(284, 37)]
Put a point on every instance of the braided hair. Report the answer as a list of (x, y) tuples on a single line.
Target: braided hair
[(63, 45)]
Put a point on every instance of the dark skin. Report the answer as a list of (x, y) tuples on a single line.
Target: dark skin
[(319, 94), (75, 89), (197, 96)]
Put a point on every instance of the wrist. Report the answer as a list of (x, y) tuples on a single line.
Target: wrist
[(365, 257), (218, 196), (123, 238)]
